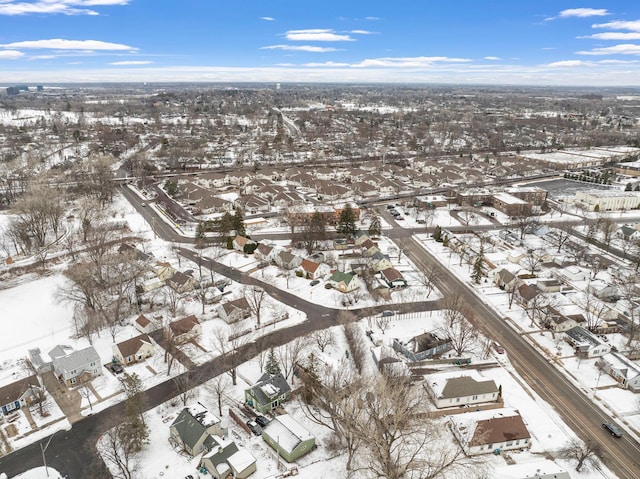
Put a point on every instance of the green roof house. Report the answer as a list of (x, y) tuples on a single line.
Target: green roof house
[(344, 282), (226, 459), (288, 438), (268, 393), (193, 429)]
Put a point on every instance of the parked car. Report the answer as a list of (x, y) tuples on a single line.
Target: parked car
[(116, 368), (399, 218), (262, 421), (388, 313), (612, 428), (255, 427), (314, 282), (499, 349)]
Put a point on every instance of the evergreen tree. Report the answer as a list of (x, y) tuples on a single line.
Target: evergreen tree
[(375, 228), (347, 222), (224, 225), (628, 187), (478, 265), (437, 233), (272, 366), (200, 236), (238, 223), (135, 430), (311, 381)]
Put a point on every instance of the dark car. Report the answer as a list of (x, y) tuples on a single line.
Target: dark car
[(314, 282), (116, 368), (255, 427), (612, 428), (388, 313), (262, 421)]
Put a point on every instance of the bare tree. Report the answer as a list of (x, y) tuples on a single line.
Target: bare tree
[(585, 454), (227, 340), (291, 353), (429, 277), (629, 297), (218, 387), (323, 338), (257, 298), (462, 335), (184, 386), (532, 262), (117, 453), (607, 227)]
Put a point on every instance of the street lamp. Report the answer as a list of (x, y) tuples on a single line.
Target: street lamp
[(44, 449)]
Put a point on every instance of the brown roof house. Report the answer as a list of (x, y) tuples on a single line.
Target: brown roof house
[(313, 270), (491, 431), (145, 325), (235, 310), (185, 329), (182, 282), (133, 350), (239, 242), (20, 393)]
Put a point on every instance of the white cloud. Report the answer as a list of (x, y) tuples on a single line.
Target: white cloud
[(581, 13), (267, 19), (326, 64), (615, 36), (361, 32), (372, 19), (132, 62), (400, 62), (63, 7), (633, 25), (492, 58), (60, 44), (567, 63), (317, 35), (300, 48), (622, 49), (10, 55)]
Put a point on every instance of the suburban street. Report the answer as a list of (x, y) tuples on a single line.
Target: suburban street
[(574, 406), (73, 452)]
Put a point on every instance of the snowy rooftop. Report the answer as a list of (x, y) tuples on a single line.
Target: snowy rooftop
[(287, 431), (438, 382), (203, 415), (509, 199), (241, 459)]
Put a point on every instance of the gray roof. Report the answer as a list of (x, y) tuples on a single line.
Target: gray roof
[(75, 359), (189, 428), (221, 451), (275, 384), (467, 386)]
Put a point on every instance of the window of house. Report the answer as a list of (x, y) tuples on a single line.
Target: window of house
[(73, 380), (510, 443), (475, 397), (457, 399), (490, 446)]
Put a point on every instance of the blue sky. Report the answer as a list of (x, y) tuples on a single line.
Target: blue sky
[(534, 42)]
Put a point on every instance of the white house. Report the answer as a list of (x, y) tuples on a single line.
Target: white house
[(622, 369), (586, 343), (453, 389), (485, 432)]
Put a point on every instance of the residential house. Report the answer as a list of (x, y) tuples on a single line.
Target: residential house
[(144, 324), (235, 310), (185, 329), (560, 322), (549, 285), (227, 459), (286, 260), (264, 253), (574, 273), (163, 270), (344, 282), (529, 296), (491, 431), (422, 346), (72, 367), (586, 343), (182, 282), (505, 279), (133, 350), (622, 369), (369, 248), (313, 270), (268, 393), (239, 242), (20, 393), (393, 278), (361, 237), (288, 438), (448, 391), (603, 290), (380, 262), (193, 428)]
